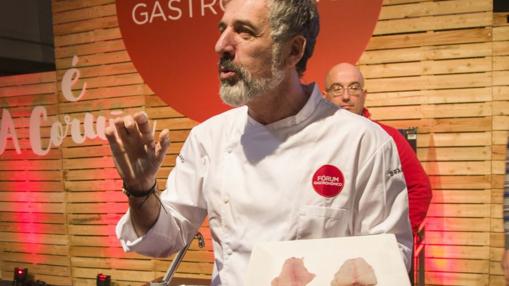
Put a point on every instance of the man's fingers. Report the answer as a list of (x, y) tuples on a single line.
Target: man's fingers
[(120, 128), (119, 157), (141, 119), (130, 137), (163, 145)]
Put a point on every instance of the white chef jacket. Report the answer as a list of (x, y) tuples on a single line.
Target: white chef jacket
[(255, 184)]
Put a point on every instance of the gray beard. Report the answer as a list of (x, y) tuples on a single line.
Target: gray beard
[(246, 88)]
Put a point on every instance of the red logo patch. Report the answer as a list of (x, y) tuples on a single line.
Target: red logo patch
[(328, 181)]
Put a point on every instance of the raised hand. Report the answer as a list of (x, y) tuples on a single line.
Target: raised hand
[(137, 155)]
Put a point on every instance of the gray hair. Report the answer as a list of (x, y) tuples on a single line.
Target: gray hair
[(289, 18)]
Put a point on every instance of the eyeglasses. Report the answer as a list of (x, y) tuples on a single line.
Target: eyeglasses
[(337, 89)]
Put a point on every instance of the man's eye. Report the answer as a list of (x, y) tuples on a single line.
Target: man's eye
[(245, 33)]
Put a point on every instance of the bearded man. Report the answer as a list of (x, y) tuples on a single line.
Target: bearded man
[(269, 169)]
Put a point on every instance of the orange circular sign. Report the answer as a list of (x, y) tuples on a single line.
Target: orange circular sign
[(171, 43)]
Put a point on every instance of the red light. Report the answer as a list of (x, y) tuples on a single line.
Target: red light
[(103, 280)]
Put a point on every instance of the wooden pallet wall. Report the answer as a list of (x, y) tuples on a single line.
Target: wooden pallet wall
[(89, 30), (434, 65), (33, 226), (441, 66), (500, 136)]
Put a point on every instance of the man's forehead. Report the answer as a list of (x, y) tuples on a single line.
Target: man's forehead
[(345, 75), (253, 11)]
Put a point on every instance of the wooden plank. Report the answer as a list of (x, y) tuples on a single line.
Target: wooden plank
[(33, 238), (426, 68), (495, 268), (31, 217), (32, 89), (89, 24), (392, 56), (501, 93), (396, 2), (500, 77), (433, 8), (36, 269), (40, 248), (500, 108), (459, 252), (497, 196), (463, 36), (500, 137), (497, 224), (28, 100), (454, 154), (22, 196), (88, 163), (87, 37), (499, 152), (460, 182), (103, 70), (30, 165), (500, 122), (31, 176), (435, 22), (496, 253), (497, 240), (501, 63), (501, 33), (463, 197), (35, 186), (114, 92), (28, 79), (97, 208), (454, 139), (84, 13), (61, 6), (456, 279), (91, 229), (93, 60), (94, 241), (104, 196), (461, 124), (95, 185), (459, 210), (500, 48), (126, 264), (457, 168), (413, 54), (102, 252), (429, 82), (137, 276), (457, 110), (89, 49), (94, 218), (456, 265), (32, 207), (457, 238), (107, 104)]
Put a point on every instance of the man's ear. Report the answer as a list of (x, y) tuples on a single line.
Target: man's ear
[(297, 46)]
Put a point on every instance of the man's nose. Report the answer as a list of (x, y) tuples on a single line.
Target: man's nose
[(226, 43), (346, 96)]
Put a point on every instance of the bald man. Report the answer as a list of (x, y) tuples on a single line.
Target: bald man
[(345, 88)]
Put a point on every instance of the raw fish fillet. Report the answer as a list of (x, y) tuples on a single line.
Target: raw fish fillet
[(293, 273), (354, 272)]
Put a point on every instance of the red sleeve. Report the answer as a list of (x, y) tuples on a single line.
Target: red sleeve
[(418, 185)]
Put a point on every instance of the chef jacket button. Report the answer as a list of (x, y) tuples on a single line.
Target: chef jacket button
[(226, 199), (229, 251)]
